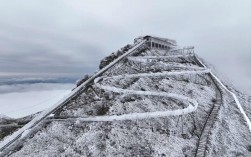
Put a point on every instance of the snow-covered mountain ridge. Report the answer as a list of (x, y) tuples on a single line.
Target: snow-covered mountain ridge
[(155, 102)]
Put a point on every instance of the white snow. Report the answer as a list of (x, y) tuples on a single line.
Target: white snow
[(234, 96), (91, 138), (145, 59), (25, 133), (189, 109), (145, 115), (47, 112), (237, 102)]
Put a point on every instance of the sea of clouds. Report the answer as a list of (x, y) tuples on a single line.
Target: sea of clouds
[(22, 97)]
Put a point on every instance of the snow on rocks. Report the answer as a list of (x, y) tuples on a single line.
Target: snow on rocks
[(138, 132), (237, 102), (3, 118), (16, 135), (182, 98), (234, 96)]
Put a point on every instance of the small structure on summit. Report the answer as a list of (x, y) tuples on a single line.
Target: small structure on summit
[(157, 42)]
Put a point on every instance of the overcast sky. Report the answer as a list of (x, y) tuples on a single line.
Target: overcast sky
[(69, 37)]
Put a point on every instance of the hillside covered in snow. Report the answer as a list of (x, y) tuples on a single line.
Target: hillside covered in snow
[(159, 100)]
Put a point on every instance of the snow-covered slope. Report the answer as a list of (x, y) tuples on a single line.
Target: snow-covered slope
[(4, 118), (152, 103)]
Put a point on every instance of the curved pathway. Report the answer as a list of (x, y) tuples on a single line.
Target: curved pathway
[(191, 107)]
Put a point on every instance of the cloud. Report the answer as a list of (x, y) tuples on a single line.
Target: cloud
[(22, 88), (26, 103), (70, 37)]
